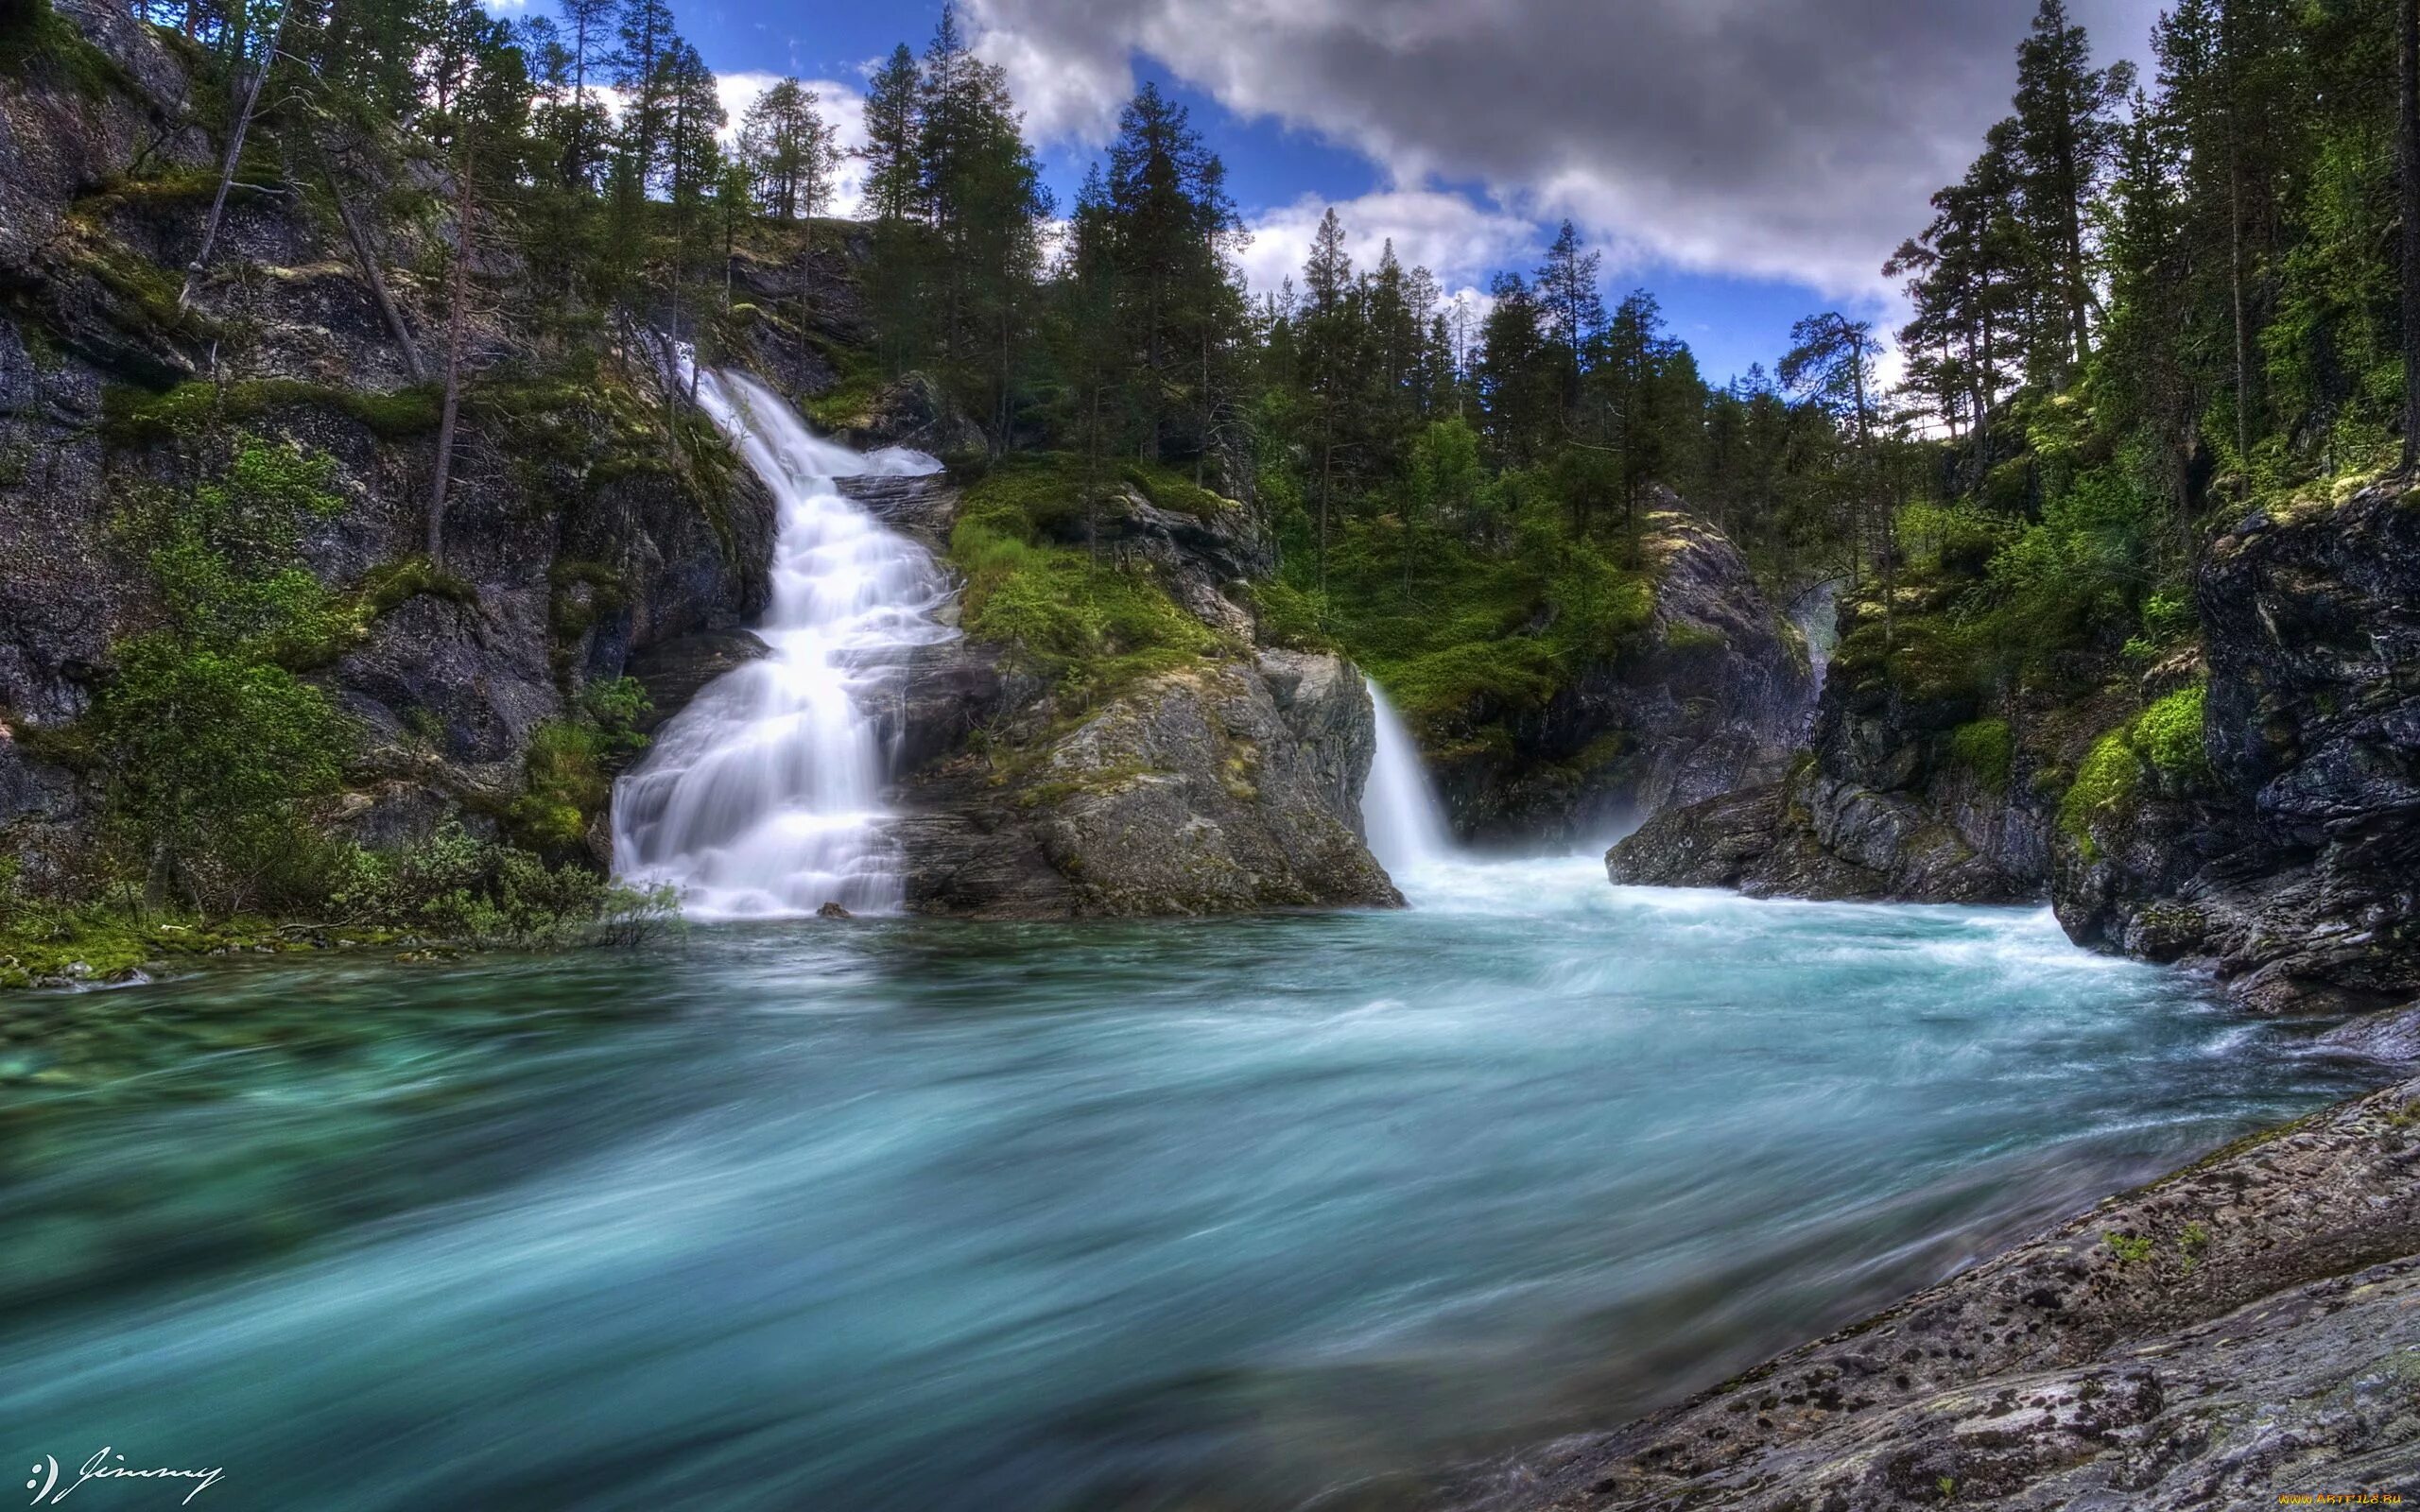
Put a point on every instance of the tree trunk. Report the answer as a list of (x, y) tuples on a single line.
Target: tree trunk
[(466, 205), (234, 155), (370, 272), (2408, 141)]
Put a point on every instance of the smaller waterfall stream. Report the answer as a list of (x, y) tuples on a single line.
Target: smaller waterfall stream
[(1400, 812), (763, 796)]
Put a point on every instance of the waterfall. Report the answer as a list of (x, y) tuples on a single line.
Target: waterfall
[(763, 796), (1400, 813)]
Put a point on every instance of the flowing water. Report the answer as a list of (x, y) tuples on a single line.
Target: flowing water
[(914, 1215), (1404, 823), (763, 796)]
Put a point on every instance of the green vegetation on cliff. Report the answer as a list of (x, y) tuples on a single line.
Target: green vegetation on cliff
[(1089, 623)]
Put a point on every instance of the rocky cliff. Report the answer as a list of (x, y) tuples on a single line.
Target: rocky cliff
[(2250, 807), (1916, 783), (1714, 692), (2278, 844), (1232, 781), (590, 521)]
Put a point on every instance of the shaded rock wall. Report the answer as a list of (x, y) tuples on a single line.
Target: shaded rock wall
[(1714, 694)]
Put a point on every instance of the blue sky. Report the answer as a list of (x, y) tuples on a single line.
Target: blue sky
[(1748, 162)]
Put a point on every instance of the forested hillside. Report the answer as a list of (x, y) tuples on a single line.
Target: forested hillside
[(2142, 640), (2152, 310)]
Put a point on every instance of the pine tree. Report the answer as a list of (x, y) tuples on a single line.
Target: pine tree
[(647, 40), (894, 174), (790, 151), (2066, 134), (1566, 292), (1168, 225)]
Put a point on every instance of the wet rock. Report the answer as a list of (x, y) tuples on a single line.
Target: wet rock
[(2392, 1037), (674, 672), (924, 506), (2242, 1329), (1188, 794), (832, 910)]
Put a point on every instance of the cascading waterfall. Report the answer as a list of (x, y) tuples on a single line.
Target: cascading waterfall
[(764, 798), (1400, 813)]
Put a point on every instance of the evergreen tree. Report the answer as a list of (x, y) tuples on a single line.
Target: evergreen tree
[(2066, 133), (1168, 225), (894, 174), (789, 151)]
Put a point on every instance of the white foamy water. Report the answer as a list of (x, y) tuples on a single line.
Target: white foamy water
[(1400, 813), (763, 796)]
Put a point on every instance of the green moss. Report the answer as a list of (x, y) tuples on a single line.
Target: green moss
[(136, 417), (2105, 789), (1987, 748), (1686, 637), (1174, 492), (37, 44), (2169, 736), (147, 296)]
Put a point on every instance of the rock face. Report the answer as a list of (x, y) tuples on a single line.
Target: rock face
[(2293, 869), (2284, 858), (1714, 694), (2241, 1329), (1231, 786), (588, 522), (1911, 788)]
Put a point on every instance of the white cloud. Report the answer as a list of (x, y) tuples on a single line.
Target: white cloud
[(1459, 241), (1777, 139)]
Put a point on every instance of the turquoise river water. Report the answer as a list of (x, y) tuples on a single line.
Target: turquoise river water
[(1255, 1213)]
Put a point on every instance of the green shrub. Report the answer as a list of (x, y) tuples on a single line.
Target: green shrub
[(1091, 625), (566, 785), (214, 765), (454, 887), (215, 758)]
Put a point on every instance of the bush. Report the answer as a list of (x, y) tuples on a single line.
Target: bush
[(454, 887), (214, 764)]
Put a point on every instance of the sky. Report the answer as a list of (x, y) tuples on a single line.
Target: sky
[(1747, 161)]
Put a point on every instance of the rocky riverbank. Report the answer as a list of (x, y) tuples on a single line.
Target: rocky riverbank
[(2244, 1330), (2249, 806)]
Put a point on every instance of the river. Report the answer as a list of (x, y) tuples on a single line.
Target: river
[(901, 1215)]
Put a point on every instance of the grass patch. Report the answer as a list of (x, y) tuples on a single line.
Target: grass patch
[(1091, 625)]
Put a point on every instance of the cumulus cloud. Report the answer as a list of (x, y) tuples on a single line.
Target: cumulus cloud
[(1453, 239), (1793, 139)]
